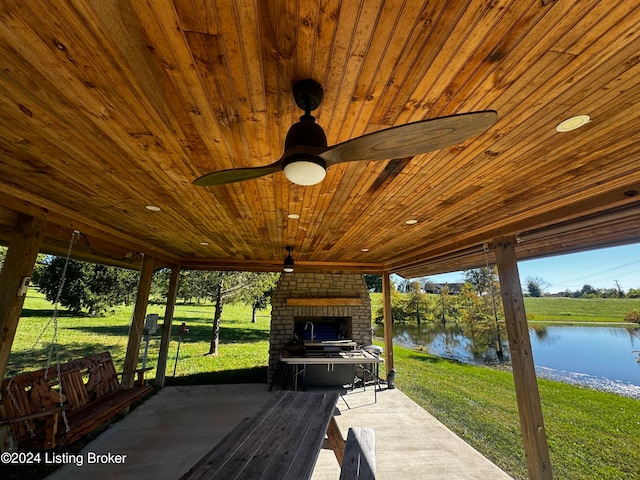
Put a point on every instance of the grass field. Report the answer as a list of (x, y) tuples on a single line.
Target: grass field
[(560, 309), (243, 350)]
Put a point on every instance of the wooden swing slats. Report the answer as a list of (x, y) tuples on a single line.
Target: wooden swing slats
[(91, 395)]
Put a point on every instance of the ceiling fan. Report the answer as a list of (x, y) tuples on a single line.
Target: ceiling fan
[(306, 155)]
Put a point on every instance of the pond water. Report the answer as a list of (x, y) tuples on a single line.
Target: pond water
[(600, 357)]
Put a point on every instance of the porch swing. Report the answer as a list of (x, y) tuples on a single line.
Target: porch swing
[(60, 403)]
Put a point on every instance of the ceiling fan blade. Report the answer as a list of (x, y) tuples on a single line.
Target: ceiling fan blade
[(233, 175), (412, 139)]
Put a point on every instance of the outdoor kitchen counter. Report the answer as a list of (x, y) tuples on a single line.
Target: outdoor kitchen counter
[(300, 365), (322, 358)]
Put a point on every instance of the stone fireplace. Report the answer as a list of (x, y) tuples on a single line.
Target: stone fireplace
[(338, 306)]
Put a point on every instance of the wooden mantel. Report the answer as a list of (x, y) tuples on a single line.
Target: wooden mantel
[(323, 302)]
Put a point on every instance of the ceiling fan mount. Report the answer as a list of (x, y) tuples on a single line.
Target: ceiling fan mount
[(308, 95), (307, 156)]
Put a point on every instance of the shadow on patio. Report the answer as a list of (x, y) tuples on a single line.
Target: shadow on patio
[(171, 431)]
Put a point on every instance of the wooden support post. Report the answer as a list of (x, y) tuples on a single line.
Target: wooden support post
[(18, 266), (388, 322), (526, 385), (172, 295), (137, 325)]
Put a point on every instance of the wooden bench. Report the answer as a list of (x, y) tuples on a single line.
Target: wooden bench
[(359, 459), (90, 391), (281, 442)]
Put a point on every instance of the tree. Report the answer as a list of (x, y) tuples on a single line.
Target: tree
[(483, 313), (89, 286), (218, 299), (3, 255), (633, 316), (418, 305), (397, 308), (256, 290), (536, 286), (221, 287), (588, 291), (481, 279), (446, 308), (212, 285), (634, 293), (160, 285), (404, 285), (619, 289), (194, 284), (373, 282)]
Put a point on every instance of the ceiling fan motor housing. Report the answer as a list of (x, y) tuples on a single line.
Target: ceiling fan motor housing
[(305, 133), (304, 167)]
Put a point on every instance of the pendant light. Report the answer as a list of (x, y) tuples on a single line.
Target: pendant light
[(288, 261)]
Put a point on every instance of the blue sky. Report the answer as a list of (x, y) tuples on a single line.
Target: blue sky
[(598, 268)]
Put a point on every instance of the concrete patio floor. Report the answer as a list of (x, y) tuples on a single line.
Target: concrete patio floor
[(171, 431)]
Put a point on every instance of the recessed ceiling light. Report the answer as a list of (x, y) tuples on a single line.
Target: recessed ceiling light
[(573, 123), (293, 216), (204, 244), (413, 221), (364, 250), (153, 208)]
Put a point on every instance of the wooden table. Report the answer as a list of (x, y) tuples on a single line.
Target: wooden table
[(282, 441)]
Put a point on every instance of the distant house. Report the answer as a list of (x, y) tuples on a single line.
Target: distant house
[(454, 288)]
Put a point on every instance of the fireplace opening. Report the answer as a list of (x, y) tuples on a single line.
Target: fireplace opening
[(324, 328)]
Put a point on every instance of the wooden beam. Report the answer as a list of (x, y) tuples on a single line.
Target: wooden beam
[(322, 302), (18, 266), (596, 211), (257, 265), (388, 322), (526, 385), (137, 324), (172, 295)]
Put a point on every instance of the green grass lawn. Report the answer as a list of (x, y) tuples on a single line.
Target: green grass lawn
[(591, 435), (243, 349)]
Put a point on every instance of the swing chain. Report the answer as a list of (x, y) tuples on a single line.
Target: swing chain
[(18, 409), (63, 279), (54, 342)]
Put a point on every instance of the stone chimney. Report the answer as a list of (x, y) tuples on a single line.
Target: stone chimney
[(339, 302)]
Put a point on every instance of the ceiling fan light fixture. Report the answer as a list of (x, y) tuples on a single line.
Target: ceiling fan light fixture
[(305, 169), (288, 262)]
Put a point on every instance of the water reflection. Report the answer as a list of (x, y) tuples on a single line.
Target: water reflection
[(447, 340), (540, 331), (600, 357)]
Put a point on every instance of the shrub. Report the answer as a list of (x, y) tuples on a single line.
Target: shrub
[(633, 316)]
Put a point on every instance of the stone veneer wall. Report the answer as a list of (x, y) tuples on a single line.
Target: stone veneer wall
[(317, 285)]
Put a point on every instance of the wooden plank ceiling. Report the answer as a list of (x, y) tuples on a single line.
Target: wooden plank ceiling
[(109, 106)]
